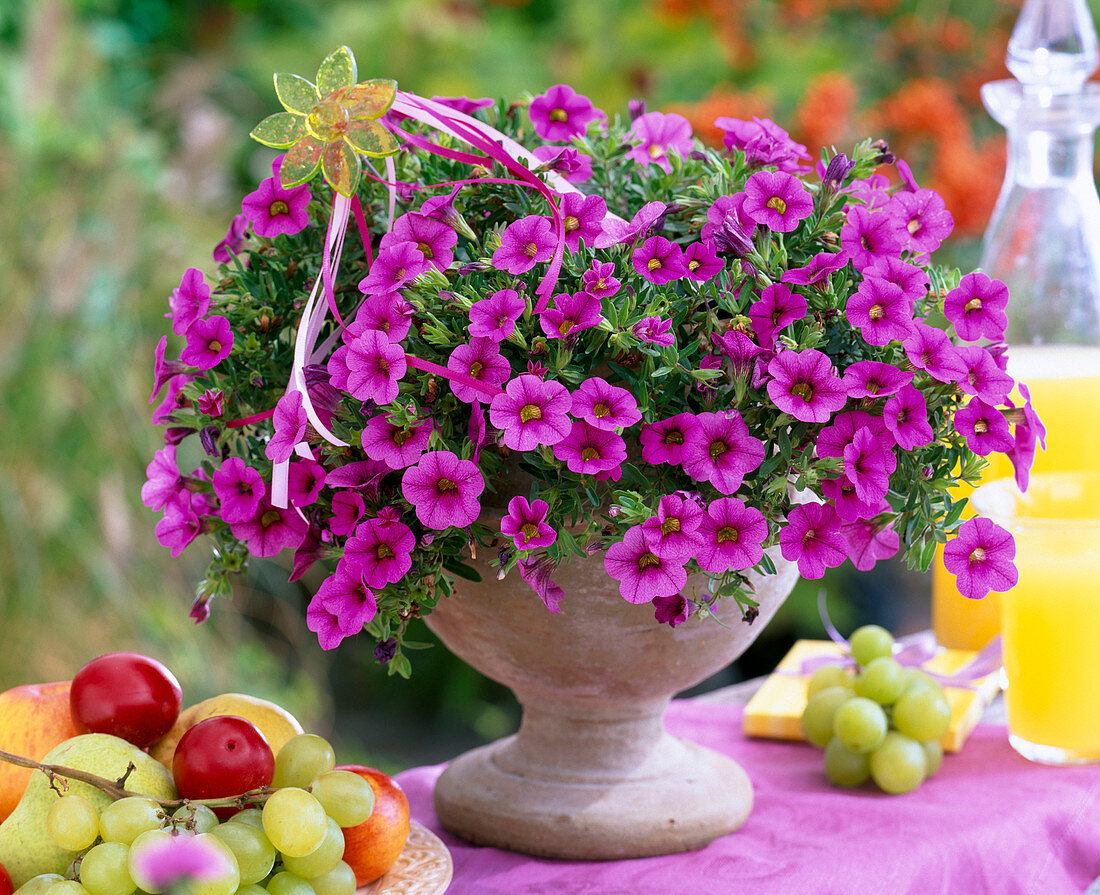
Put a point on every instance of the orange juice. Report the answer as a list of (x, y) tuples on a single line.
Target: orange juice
[(1064, 382), (1050, 621)]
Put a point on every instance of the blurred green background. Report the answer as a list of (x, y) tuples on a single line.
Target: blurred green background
[(124, 154)]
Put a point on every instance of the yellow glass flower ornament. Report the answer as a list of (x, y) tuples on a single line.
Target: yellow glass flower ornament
[(328, 125)]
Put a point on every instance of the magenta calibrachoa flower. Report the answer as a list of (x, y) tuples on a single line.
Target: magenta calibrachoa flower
[(930, 349), (396, 265), (985, 428), (526, 524), (589, 450), (375, 367), (981, 558), (495, 317), (804, 385), (583, 218), (733, 536), (380, 551), (480, 359), (189, 301), (925, 217), (663, 440), (813, 539), (720, 450), (604, 405), (530, 412), (977, 307), (561, 113), (396, 446), (659, 134), (239, 489), (290, 427), (433, 239), (874, 379), (571, 314), (641, 573), (881, 312), (444, 490), (777, 200), (870, 235), (659, 260), (346, 596), (275, 211), (270, 530), (906, 416), (673, 531), (599, 280), (910, 279), (654, 330), (209, 342), (776, 308), (523, 244)]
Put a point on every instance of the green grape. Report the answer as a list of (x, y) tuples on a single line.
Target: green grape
[(829, 676), (338, 881), (914, 677), (860, 724), (870, 642), (196, 818), (252, 889), (227, 881), (301, 759), (123, 821), (72, 823), (139, 846), (817, 717), (323, 858), (251, 816), (923, 714), (898, 765), (346, 797), (882, 680), (254, 852), (294, 821), (844, 767), (933, 757), (66, 887), (287, 883), (104, 870), (38, 885)]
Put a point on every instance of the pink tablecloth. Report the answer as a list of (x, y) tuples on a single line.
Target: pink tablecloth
[(989, 821)]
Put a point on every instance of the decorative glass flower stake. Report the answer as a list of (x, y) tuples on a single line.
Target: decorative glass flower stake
[(328, 125)]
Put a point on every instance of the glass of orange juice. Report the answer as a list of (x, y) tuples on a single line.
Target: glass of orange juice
[(1050, 621)]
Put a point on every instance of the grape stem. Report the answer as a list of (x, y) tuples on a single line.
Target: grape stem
[(60, 774)]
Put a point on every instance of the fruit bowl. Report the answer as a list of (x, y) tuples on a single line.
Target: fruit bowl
[(424, 867)]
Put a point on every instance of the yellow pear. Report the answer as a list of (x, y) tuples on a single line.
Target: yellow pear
[(26, 850), (273, 721)]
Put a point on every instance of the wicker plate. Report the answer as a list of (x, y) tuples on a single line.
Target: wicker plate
[(423, 868)]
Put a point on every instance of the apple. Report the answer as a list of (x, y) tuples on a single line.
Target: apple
[(220, 757), (127, 695), (372, 847), (6, 887), (33, 719)]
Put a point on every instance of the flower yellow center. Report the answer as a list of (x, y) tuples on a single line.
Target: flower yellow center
[(475, 369), (693, 265), (383, 365), (445, 485), (873, 387), (717, 449), (529, 531), (875, 312), (648, 559), (278, 207), (803, 390), (809, 535), (424, 249), (601, 284), (913, 226), (401, 436), (530, 412), (654, 264), (655, 151), (673, 436), (559, 115), (383, 551), (978, 555), (778, 204), (571, 223), (327, 121), (981, 427), (531, 249), (975, 304), (600, 410), (567, 324), (214, 345), (270, 518), (727, 534), (590, 453), (670, 525)]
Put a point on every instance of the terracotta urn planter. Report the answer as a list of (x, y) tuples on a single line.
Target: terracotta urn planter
[(592, 773)]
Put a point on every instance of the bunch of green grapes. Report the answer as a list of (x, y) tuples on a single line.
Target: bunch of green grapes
[(882, 721), (292, 845)]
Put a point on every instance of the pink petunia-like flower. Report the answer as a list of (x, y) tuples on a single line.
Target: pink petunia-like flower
[(981, 558), (673, 532), (573, 166), (1026, 433), (906, 416), (881, 312), (741, 350), (189, 301), (868, 463), (239, 489), (536, 572), (275, 211), (848, 506), (977, 307), (924, 216), (211, 403), (444, 490), (819, 268), (526, 524), (654, 330), (804, 385), (395, 266), (209, 342), (495, 317), (523, 244), (233, 241), (395, 446), (347, 509), (869, 235), (641, 573), (733, 536), (832, 440), (983, 377), (659, 260), (912, 280), (434, 239), (380, 551), (305, 479), (582, 218), (289, 422), (571, 314), (776, 308), (663, 441), (617, 232), (873, 379), (561, 113), (599, 279), (604, 405), (174, 400), (671, 610), (531, 411), (930, 349), (388, 313), (163, 479), (586, 449), (868, 543), (985, 428), (777, 200), (375, 367), (480, 359), (270, 530), (813, 539), (720, 450), (727, 211), (659, 134), (324, 622), (346, 596), (180, 524), (701, 262), (763, 141)]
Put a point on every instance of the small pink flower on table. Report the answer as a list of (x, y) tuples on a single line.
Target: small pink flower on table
[(180, 859)]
